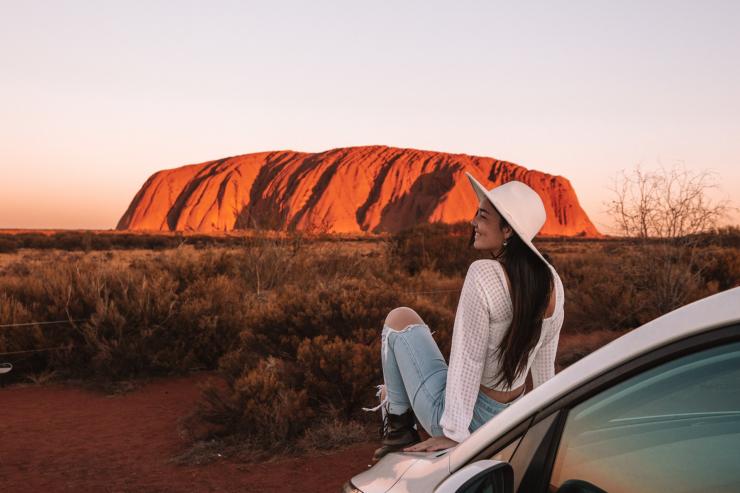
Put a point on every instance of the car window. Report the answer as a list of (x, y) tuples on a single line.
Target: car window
[(674, 428)]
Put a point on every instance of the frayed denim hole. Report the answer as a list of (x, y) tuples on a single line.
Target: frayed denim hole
[(384, 341), (413, 326), (388, 330), (406, 328)]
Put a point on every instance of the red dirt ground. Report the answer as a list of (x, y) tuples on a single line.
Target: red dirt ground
[(62, 438)]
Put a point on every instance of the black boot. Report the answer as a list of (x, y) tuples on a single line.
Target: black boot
[(398, 432)]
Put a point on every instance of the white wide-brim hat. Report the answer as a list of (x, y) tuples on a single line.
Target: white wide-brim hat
[(519, 205)]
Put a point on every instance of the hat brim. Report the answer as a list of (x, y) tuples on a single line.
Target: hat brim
[(482, 193)]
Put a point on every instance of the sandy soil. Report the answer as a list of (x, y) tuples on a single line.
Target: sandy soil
[(62, 438)]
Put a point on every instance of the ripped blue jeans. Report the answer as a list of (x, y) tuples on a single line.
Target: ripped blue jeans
[(415, 375)]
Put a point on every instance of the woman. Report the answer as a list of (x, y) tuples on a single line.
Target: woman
[(507, 323)]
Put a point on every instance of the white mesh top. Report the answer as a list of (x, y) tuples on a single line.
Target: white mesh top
[(483, 315)]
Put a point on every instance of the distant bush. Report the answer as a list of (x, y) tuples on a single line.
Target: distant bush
[(8, 246), (95, 241), (435, 246)]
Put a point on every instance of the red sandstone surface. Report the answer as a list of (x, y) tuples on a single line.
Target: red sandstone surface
[(345, 190), (60, 438)]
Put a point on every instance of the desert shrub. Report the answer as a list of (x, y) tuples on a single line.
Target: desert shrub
[(35, 240), (8, 245), (123, 312), (597, 294), (72, 240), (276, 401), (347, 308), (187, 266), (263, 404), (268, 265), (170, 313), (719, 266), (331, 432), (336, 261), (335, 308), (321, 342), (275, 409), (629, 284), (339, 372), (13, 311), (442, 248), (573, 347), (435, 246), (90, 240), (146, 326), (207, 325), (668, 278)]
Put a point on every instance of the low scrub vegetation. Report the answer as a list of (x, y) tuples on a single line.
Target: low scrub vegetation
[(293, 326)]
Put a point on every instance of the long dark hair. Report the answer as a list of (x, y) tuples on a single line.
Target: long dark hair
[(531, 286)]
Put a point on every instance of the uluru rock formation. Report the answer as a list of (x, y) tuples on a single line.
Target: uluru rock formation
[(344, 190)]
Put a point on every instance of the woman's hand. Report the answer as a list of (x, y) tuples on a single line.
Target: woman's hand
[(432, 444)]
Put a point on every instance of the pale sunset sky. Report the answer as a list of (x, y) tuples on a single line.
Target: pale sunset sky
[(98, 95)]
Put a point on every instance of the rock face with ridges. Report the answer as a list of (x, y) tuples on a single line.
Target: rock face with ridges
[(345, 190)]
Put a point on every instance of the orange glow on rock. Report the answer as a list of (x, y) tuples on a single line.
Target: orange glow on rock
[(344, 190)]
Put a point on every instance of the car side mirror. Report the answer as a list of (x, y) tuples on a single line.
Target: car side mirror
[(483, 476)]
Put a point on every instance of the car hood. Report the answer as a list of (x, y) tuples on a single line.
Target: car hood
[(384, 475)]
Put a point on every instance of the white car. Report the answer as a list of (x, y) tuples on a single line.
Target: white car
[(656, 410)]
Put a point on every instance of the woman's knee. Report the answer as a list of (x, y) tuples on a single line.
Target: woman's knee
[(401, 317)]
